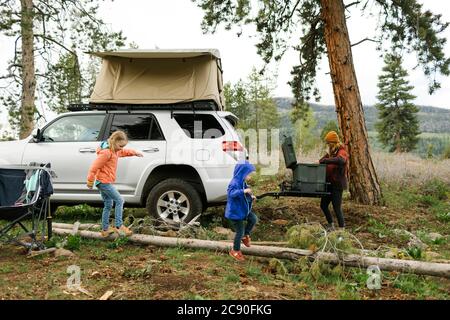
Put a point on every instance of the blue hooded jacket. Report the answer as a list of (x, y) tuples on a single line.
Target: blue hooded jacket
[(239, 204)]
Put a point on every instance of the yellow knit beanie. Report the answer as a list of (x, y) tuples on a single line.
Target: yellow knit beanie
[(332, 137)]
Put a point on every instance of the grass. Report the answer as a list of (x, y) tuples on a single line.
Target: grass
[(133, 275), (378, 228), (118, 242), (418, 287)]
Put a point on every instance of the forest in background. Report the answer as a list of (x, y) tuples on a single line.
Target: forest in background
[(434, 125)]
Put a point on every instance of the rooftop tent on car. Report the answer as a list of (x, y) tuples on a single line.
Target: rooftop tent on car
[(159, 77)]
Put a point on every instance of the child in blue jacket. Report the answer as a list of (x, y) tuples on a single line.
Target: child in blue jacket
[(239, 207)]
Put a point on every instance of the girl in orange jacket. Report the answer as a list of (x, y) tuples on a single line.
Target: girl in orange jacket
[(102, 174)]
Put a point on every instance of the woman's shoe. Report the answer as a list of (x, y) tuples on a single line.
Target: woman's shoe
[(330, 227), (246, 240), (237, 255)]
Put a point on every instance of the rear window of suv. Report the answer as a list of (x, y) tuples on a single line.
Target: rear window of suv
[(199, 126), (137, 126)]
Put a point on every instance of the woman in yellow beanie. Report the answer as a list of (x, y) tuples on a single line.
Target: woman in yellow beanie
[(337, 163)]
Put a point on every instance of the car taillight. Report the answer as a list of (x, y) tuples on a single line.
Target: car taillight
[(232, 146)]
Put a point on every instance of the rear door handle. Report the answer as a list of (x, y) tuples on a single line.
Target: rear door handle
[(150, 150), (86, 150)]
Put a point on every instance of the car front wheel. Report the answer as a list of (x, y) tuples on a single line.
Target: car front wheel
[(174, 201)]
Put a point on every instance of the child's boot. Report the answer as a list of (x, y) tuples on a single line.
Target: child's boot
[(106, 233), (246, 240), (124, 231), (237, 255)]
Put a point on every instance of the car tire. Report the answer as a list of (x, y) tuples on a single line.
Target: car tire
[(174, 201)]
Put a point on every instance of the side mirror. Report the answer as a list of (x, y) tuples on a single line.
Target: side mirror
[(37, 136)]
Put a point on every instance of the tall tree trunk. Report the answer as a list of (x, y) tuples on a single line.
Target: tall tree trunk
[(28, 78), (364, 185), (398, 144)]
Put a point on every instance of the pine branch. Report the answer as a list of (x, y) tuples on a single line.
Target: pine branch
[(44, 37), (83, 11), (8, 76), (364, 40), (293, 10), (352, 4)]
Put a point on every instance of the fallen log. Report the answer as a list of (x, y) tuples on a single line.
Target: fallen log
[(93, 226), (82, 226), (40, 252), (88, 226), (351, 260)]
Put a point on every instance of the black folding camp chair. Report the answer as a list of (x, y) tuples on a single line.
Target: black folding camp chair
[(25, 204)]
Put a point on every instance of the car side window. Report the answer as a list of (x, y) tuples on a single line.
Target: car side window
[(74, 129), (137, 126), (199, 126)]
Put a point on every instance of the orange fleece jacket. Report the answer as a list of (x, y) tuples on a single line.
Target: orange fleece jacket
[(104, 168)]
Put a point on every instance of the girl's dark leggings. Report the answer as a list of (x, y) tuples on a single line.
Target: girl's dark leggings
[(242, 231), (336, 199)]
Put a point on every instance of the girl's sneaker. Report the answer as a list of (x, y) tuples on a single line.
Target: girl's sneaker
[(124, 231), (237, 255), (106, 233), (246, 240)]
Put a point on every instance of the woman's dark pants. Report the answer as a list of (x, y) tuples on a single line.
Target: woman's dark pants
[(336, 199)]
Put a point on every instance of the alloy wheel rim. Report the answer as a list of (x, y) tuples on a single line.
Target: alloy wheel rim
[(173, 206)]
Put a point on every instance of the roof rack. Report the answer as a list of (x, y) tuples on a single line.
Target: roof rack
[(193, 106)]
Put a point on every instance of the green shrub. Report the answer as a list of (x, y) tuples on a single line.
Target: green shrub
[(441, 210), (436, 188), (443, 216), (446, 153), (415, 253), (402, 196), (428, 201), (81, 211), (138, 273), (421, 287), (378, 228), (306, 236), (53, 242), (118, 242), (73, 242), (276, 266)]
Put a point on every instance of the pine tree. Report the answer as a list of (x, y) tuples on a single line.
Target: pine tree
[(398, 125), (236, 100), (252, 102), (305, 128)]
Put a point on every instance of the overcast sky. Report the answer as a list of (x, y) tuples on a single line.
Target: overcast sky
[(176, 24)]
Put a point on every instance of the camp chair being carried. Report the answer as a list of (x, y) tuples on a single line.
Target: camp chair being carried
[(25, 203)]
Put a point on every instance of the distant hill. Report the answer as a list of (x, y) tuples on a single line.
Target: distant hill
[(432, 120)]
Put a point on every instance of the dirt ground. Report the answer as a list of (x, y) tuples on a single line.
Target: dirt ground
[(144, 272), (135, 272)]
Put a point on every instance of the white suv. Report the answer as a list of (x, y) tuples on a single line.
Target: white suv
[(190, 151)]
